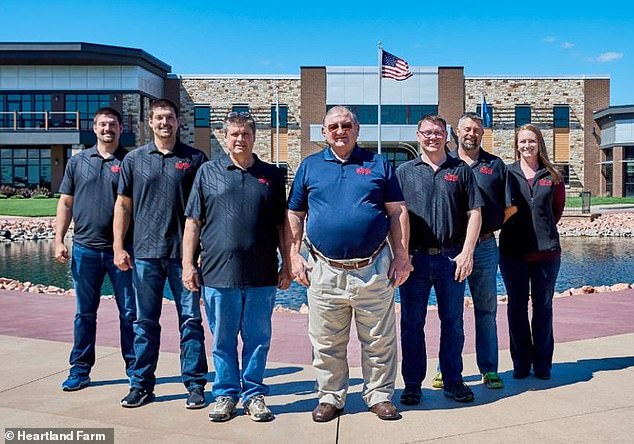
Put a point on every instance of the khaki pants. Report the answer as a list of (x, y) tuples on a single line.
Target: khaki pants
[(333, 296)]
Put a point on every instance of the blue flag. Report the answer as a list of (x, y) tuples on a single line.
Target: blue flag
[(486, 113)]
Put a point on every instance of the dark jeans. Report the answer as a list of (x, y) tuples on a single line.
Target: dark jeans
[(532, 343), (437, 271), (483, 287), (89, 267), (149, 280)]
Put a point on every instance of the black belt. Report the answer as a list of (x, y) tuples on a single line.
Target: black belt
[(485, 237), (435, 251), (346, 264)]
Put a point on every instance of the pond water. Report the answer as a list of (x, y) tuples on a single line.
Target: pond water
[(585, 261)]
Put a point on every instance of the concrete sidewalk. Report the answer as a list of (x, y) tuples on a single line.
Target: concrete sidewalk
[(589, 399)]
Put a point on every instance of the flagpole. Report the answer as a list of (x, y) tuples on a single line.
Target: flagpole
[(482, 106), (378, 127)]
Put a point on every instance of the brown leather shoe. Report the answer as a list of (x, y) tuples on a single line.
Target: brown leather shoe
[(386, 411), (325, 412)]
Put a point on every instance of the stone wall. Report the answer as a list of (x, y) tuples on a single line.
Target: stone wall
[(259, 94), (542, 94)]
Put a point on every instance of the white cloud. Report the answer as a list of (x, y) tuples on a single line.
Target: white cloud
[(567, 45), (548, 39), (609, 56)]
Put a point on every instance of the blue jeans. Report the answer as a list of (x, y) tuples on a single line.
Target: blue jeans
[(531, 343), (437, 271), (149, 281), (246, 311), (483, 287), (89, 267)]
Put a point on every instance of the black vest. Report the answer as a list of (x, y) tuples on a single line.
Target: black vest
[(533, 228)]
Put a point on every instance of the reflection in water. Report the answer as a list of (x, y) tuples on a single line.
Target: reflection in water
[(585, 261)]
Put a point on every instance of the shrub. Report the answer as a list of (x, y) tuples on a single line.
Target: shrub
[(3, 196), (7, 190), (41, 193), (39, 196), (17, 196)]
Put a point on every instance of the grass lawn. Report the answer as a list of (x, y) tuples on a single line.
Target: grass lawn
[(28, 207), (573, 202)]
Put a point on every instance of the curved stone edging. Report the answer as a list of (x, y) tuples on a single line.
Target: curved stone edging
[(609, 225), (28, 287)]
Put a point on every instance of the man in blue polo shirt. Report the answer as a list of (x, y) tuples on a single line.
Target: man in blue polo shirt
[(444, 203), (236, 211), (352, 203), (155, 183), (88, 193)]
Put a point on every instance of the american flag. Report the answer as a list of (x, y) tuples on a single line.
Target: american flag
[(393, 67)]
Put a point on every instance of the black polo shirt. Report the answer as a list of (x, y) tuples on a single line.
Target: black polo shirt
[(92, 181), (438, 202), (159, 185), (492, 177), (240, 211)]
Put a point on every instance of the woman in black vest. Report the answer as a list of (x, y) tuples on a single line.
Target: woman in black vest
[(530, 253)]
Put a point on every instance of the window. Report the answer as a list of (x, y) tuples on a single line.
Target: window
[(202, 114), (283, 116), (628, 171), (522, 115), (479, 113), (391, 114), (240, 109), (561, 117), (564, 169), (607, 168), (30, 109), (396, 156), (23, 167), (86, 105)]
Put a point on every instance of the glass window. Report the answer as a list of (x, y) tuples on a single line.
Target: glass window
[(202, 114), (283, 109), (561, 117), (16, 169), (479, 113), (240, 108), (564, 169), (628, 153), (606, 172), (629, 179), (522, 115), (86, 105)]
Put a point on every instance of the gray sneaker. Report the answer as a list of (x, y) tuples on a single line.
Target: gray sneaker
[(257, 410), (223, 409)]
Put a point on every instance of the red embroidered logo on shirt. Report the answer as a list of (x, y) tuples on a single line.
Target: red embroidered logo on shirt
[(115, 168), (451, 177), (183, 165), (486, 170), (545, 183), (364, 171), (265, 181)]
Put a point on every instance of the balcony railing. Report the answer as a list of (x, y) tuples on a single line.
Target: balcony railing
[(39, 120), (50, 121)]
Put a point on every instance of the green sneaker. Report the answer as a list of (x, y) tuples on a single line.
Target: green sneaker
[(437, 381), (492, 380)]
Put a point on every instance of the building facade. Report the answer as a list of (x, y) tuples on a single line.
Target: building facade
[(49, 92), (616, 139)]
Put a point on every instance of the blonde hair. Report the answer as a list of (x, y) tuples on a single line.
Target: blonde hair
[(542, 154)]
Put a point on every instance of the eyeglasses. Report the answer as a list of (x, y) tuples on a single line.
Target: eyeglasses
[(243, 114), (346, 126), (428, 134)]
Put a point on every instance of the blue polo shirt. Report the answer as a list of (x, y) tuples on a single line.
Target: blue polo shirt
[(92, 180), (159, 185), (345, 201), (492, 177)]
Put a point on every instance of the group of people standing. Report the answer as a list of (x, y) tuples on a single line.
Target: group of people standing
[(214, 228)]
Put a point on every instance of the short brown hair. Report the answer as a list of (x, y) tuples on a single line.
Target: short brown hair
[(163, 103)]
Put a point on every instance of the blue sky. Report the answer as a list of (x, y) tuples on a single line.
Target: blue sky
[(487, 38)]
